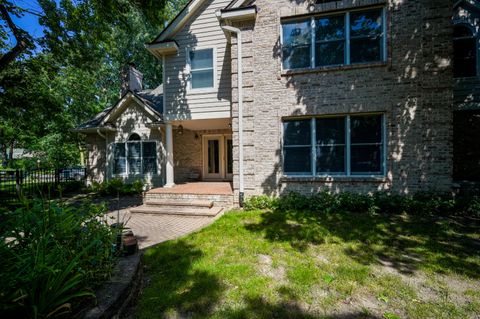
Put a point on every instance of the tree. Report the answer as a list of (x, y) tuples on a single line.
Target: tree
[(75, 70)]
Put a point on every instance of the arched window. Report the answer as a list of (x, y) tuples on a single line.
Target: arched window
[(464, 52), (134, 137), (135, 157)]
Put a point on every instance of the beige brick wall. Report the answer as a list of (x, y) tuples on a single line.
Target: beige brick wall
[(187, 152), (95, 160), (131, 119), (414, 89)]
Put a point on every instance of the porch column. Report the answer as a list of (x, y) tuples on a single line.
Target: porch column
[(169, 165)]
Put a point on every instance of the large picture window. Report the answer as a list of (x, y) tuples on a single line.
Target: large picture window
[(135, 157), (336, 145), (338, 39), (202, 71)]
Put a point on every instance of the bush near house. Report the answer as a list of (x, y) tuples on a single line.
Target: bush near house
[(52, 257), (417, 204), (111, 187)]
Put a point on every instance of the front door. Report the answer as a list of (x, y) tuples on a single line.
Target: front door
[(217, 157)]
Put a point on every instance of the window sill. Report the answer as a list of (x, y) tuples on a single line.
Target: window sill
[(333, 68), (337, 179), (202, 91)]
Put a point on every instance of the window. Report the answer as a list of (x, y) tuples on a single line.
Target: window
[(296, 44), (119, 159), (297, 147), (201, 69), (464, 52), (340, 39), (337, 145), (135, 157)]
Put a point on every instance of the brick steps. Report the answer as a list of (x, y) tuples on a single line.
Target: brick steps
[(176, 210), (217, 199), (180, 203)]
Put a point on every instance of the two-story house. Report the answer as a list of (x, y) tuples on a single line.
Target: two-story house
[(297, 95)]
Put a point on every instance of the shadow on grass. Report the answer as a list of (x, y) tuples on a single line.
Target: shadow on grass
[(173, 285), (262, 309), (403, 242)]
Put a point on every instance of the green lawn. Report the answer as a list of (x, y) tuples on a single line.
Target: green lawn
[(311, 265)]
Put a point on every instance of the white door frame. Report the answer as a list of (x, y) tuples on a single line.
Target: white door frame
[(222, 139)]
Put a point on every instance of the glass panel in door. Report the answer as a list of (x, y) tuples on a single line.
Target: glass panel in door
[(213, 156)]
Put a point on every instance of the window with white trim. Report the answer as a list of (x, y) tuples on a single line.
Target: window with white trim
[(334, 145), (202, 69), (135, 157), (336, 39)]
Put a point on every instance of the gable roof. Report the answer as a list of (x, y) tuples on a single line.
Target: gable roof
[(151, 100), (184, 15), (179, 20), (238, 3)]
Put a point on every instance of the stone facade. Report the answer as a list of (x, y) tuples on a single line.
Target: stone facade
[(414, 89), (131, 118)]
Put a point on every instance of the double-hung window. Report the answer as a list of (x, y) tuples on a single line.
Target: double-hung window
[(202, 71), (334, 145), (135, 157), (337, 39)]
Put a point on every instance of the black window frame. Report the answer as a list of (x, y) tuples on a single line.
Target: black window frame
[(348, 147), (346, 34)]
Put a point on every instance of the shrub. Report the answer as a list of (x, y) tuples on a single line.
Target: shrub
[(117, 185), (51, 256), (259, 202), (381, 202)]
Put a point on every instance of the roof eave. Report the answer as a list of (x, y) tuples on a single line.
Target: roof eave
[(160, 49), (239, 14), (94, 129), (180, 19)]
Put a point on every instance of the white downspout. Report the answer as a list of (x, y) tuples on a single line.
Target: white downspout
[(240, 110)]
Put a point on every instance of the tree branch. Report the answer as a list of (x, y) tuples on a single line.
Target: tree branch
[(20, 37)]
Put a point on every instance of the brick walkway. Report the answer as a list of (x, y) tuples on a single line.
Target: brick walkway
[(153, 229)]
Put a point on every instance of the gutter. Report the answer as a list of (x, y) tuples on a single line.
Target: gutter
[(238, 32)]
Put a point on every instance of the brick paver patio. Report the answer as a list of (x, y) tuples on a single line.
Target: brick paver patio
[(153, 229)]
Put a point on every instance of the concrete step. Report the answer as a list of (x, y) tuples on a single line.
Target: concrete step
[(177, 210), (218, 200), (180, 202)]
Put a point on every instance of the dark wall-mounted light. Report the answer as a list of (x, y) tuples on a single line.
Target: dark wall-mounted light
[(180, 130)]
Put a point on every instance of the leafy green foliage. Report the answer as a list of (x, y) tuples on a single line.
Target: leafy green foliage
[(117, 186), (417, 204), (73, 71), (52, 255)]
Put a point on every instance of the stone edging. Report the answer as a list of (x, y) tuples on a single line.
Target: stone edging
[(114, 296)]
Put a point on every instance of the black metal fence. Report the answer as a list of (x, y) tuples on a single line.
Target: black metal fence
[(37, 181)]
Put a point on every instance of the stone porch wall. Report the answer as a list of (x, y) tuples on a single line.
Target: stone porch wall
[(414, 89)]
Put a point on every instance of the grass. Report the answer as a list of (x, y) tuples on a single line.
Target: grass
[(301, 264)]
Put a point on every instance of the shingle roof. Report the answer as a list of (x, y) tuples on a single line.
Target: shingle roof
[(152, 99)]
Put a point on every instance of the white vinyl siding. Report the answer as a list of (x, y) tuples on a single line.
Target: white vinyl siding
[(201, 31)]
